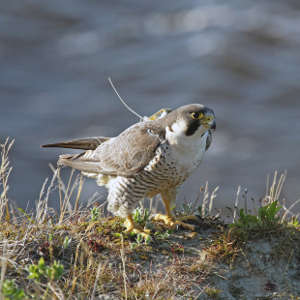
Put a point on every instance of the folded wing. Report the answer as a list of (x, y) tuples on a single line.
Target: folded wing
[(124, 155)]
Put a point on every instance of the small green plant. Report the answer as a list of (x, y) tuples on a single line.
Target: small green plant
[(41, 270), (67, 242), (141, 215), (265, 220), (294, 222), (187, 209), (139, 240), (245, 221), (95, 212), (23, 212), (162, 235), (50, 238), (11, 290), (267, 215)]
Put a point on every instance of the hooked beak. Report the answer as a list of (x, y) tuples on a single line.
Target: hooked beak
[(209, 122), (213, 125)]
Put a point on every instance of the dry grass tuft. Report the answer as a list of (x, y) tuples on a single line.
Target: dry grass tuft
[(5, 170)]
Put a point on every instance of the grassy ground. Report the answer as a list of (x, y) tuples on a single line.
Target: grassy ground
[(80, 253)]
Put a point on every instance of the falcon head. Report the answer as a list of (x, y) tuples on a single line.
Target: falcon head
[(191, 120)]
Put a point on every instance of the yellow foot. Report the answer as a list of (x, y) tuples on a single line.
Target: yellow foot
[(131, 227), (170, 222)]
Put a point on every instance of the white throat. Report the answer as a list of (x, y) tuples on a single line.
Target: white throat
[(187, 150)]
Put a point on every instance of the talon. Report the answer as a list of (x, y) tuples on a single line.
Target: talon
[(131, 227), (168, 221)]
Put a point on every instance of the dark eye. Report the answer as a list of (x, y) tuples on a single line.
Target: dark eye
[(197, 115)]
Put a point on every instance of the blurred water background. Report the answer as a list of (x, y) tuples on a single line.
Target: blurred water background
[(241, 58)]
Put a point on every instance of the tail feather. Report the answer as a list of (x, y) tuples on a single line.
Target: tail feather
[(84, 144), (75, 162), (67, 159)]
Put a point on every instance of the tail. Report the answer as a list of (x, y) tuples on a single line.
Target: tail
[(84, 144), (84, 161), (79, 162), (68, 159)]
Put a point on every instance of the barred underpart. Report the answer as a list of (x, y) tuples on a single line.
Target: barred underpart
[(160, 174)]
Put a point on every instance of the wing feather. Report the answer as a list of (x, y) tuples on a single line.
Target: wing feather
[(124, 155)]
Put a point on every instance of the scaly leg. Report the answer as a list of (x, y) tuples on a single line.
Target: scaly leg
[(131, 227), (168, 198)]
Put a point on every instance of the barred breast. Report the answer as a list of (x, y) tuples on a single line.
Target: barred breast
[(160, 174)]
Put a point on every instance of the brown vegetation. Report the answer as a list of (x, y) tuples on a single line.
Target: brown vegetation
[(81, 253)]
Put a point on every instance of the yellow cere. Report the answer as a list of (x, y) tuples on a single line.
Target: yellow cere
[(209, 118)]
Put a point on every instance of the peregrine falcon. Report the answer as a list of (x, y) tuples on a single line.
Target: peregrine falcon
[(151, 157)]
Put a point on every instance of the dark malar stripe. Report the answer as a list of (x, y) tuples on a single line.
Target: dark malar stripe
[(192, 127)]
